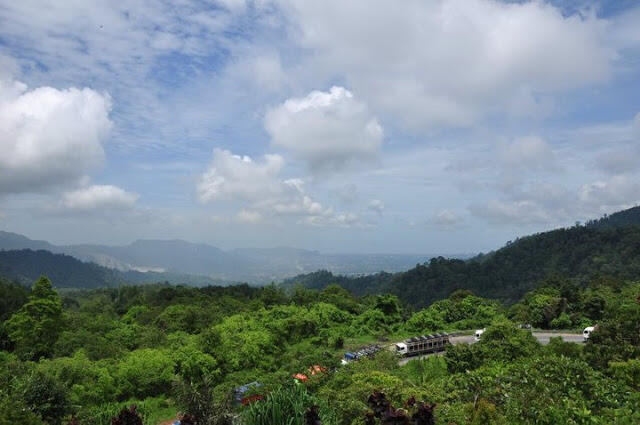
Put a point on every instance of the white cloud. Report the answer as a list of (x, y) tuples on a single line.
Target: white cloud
[(616, 193), (452, 62), (98, 198), (262, 192), (447, 219), (326, 129), (376, 205), (134, 49), (530, 153), (507, 213), (48, 136), (619, 161), (246, 216), (553, 204), (232, 176)]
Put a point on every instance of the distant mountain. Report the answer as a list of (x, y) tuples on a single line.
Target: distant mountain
[(606, 247), (256, 265), (27, 265), (65, 271), (10, 241)]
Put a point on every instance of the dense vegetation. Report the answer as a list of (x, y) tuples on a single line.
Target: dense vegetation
[(580, 253), (26, 265), (89, 354), (628, 217)]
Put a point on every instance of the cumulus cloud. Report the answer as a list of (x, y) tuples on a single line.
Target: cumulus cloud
[(49, 137), (98, 197), (447, 219), (326, 129), (259, 186), (452, 62), (530, 153), (376, 205), (618, 192), (232, 176)]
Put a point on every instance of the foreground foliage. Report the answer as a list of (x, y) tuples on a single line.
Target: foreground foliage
[(84, 356)]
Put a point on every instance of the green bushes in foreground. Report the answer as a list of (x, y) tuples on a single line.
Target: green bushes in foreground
[(176, 349)]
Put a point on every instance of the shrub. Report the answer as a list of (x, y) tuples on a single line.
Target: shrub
[(286, 406)]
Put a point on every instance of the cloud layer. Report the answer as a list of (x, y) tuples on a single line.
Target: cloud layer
[(262, 192), (450, 63), (49, 137)]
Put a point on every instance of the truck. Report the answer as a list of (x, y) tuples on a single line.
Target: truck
[(423, 344), (586, 333)]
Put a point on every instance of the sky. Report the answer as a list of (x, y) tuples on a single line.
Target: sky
[(359, 126)]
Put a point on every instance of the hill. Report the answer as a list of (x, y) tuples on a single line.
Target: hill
[(256, 265), (609, 246), (628, 217), (65, 271), (27, 265)]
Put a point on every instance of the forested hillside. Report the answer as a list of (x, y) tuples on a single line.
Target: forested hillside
[(609, 247), (80, 357), (27, 265), (628, 217)]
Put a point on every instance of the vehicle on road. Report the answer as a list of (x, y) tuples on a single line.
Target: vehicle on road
[(368, 351), (478, 333), (586, 333), (423, 344)]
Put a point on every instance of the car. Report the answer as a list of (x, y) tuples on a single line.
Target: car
[(478, 333)]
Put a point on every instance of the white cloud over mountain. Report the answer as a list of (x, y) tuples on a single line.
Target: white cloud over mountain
[(325, 129), (262, 192)]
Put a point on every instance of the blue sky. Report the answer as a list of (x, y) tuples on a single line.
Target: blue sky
[(363, 126)]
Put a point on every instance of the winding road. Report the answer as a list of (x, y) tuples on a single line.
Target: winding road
[(542, 337)]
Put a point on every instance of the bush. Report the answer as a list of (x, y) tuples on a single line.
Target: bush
[(43, 395), (561, 322), (145, 373), (286, 406)]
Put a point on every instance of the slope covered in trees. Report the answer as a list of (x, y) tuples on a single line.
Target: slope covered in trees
[(83, 356), (27, 265), (628, 217), (607, 247)]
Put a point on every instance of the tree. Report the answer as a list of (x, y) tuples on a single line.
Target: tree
[(45, 396), (35, 327)]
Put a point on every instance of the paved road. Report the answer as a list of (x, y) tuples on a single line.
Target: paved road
[(543, 338)]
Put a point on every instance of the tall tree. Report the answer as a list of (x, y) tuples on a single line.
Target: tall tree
[(35, 327)]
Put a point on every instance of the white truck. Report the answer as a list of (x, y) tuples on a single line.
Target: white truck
[(586, 333)]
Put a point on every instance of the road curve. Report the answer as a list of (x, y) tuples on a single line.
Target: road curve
[(542, 337)]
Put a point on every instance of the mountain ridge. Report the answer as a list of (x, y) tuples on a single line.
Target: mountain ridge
[(254, 265), (608, 247)]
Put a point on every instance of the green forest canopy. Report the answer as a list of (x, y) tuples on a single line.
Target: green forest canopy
[(167, 349)]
